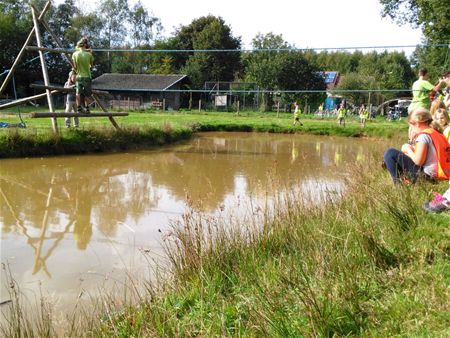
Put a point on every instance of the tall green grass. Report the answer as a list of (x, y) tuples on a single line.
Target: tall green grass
[(370, 263)]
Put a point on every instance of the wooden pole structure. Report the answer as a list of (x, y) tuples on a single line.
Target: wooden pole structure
[(53, 35), (44, 70), (19, 56), (111, 119)]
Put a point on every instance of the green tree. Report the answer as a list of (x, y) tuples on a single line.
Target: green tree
[(114, 14), (433, 18), (262, 67), (353, 83), (207, 33), (162, 63), (143, 26), (296, 73), (273, 69)]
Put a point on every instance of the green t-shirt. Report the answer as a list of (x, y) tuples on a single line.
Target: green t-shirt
[(83, 60), (420, 92)]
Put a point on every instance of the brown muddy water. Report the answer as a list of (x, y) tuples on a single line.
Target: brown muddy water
[(70, 224)]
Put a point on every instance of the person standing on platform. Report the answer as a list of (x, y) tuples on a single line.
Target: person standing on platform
[(421, 90), (83, 61)]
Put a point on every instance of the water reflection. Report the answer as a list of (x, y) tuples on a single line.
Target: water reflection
[(66, 218)]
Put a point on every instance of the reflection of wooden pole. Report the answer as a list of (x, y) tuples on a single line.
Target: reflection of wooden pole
[(44, 70), (37, 262), (11, 210), (19, 56), (24, 186)]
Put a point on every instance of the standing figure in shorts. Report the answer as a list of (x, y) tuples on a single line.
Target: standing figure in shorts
[(83, 61), (71, 105), (341, 115), (297, 112), (363, 115)]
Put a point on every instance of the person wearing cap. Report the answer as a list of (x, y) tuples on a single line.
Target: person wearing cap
[(83, 61), (71, 105)]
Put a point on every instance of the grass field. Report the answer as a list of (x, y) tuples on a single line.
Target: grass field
[(147, 129)]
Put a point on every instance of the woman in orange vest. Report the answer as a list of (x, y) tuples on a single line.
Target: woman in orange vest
[(428, 155)]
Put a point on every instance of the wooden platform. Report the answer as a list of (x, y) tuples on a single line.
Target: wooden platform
[(63, 114)]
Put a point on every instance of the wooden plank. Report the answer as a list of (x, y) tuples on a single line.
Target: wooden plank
[(26, 99), (63, 114), (51, 50), (19, 56), (62, 89)]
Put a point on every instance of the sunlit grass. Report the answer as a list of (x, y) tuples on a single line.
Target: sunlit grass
[(142, 129)]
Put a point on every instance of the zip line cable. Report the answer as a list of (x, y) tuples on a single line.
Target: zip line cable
[(291, 49), (24, 63), (261, 91)]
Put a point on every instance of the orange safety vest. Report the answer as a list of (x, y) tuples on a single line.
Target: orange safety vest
[(442, 147)]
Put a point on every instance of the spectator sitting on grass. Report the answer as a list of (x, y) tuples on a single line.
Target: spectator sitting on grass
[(427, 155)]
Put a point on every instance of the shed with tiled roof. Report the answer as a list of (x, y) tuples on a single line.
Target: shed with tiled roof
[(147, 89)]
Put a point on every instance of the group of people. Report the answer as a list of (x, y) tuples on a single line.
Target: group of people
[(427, 153), (80, 78)]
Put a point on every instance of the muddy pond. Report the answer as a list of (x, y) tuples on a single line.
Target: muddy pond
[(71, 223)]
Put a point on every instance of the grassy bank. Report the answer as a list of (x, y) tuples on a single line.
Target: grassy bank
[(141, 129), (372, 264), (369, 264), (18, 143)]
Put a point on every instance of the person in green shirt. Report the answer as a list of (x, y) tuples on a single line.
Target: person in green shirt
[(421, 90), (83, 61)]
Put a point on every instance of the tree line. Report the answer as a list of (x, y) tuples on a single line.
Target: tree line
[(116, 25)]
